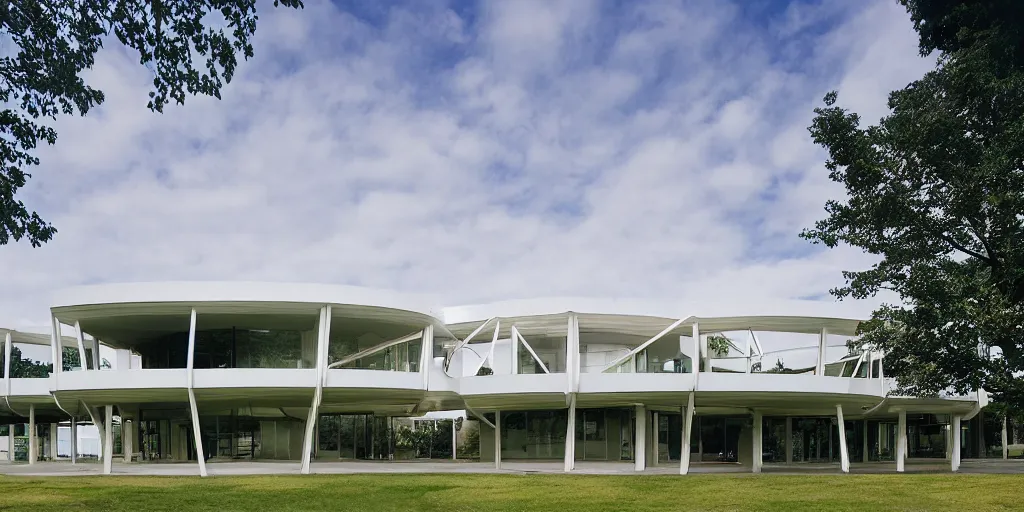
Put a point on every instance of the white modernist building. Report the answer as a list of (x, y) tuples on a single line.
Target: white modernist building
[(194, 371)]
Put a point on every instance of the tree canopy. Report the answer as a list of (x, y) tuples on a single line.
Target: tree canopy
[(28, 368), (191, 47), (936, 191)]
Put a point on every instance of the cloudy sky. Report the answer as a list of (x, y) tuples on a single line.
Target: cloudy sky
[(476, 152)]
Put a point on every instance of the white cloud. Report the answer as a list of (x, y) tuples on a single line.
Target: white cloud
[(658, 151)]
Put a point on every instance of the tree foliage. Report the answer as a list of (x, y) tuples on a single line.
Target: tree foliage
[(28, 368), (936, 191), (950, 26), (191, 47), (718, 344)]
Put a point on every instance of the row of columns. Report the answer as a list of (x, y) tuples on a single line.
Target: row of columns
[(33, 439), (640, 446)]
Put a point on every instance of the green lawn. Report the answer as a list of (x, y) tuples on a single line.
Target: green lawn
[(515, 492)]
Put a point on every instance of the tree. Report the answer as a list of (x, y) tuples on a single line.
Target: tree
[(718, 344), (950, 26), (28, 368), (936, 191), (56, 41)]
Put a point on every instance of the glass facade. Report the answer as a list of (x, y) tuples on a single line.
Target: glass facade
[(533, 434), (369, 345)]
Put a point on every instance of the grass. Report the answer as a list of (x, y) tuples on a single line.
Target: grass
[(563, 493)]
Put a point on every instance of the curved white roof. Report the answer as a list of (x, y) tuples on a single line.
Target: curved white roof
[(740, 312), (242, 291)]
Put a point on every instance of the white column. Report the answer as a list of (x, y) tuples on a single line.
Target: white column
[(108, 439), (844, 454), (656, 439), (695, 334), (53, 440), (56, 350), (901, 441), (756, 444), (10, 443), (323, 332), (1006, 453), (570, 436), (640, 434), (7, 368), (196, 434), (80, 337), (822, 348), (74, 440), (33, 443), (514, 340), (864, 437), (955, 465), (949, 439), (96, 360), (426, 354), (684, 449), (126, 438), (789, 440), (455, 436), (497, 439)]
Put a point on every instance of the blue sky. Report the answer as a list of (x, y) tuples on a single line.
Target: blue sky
[(477, 152)]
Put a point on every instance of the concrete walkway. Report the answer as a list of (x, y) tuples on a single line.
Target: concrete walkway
[(526, 467)]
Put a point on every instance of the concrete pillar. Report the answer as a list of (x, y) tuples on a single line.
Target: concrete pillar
[(757, 461), (10, 443), (789, 440), (864, 435), (53, 441), (901, 441), (949, 439), (108, 439), (640, 447), (497, 439), (33, 444), (955, 463), (455, 436), (684, 450), (74, 440), (126, 438), (570, 436), (655, 438), (1006, 452), (844, 453)]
